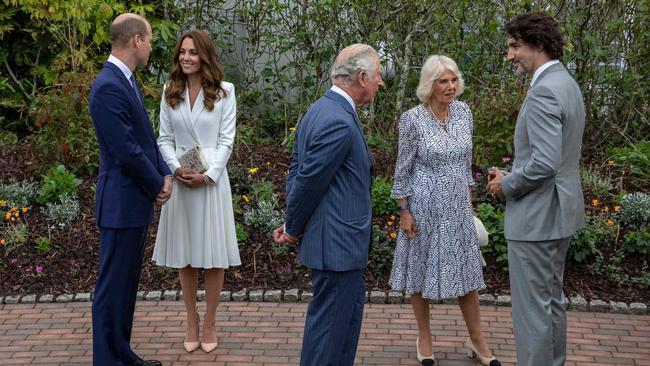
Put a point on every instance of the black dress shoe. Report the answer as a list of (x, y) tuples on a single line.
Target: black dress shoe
[(141, 362)]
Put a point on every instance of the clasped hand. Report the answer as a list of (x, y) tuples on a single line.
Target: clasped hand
[(165, 192), (189, 177), (282, 237)]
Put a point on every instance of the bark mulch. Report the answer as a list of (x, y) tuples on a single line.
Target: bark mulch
[(71, 264)]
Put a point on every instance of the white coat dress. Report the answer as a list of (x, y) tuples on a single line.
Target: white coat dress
[(197, 226)]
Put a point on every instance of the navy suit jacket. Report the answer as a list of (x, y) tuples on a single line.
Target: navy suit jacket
[(131, 169), (328, 187)]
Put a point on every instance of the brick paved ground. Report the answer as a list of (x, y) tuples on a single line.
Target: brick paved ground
[(270, 334)]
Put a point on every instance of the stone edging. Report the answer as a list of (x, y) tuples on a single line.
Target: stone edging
[(576, 303)]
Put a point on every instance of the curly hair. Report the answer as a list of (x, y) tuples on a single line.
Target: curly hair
[(211, 73), (538, 29)]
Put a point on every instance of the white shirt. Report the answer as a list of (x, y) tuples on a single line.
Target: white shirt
[(117, 62), (345, 95), (541, 69)]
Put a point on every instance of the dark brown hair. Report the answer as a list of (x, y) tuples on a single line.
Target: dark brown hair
[(211, 73), (537, 29)]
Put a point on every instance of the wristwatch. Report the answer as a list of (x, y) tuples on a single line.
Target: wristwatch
[(405, 207)]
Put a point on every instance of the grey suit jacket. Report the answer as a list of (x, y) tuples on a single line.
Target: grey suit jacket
[(543, 192)]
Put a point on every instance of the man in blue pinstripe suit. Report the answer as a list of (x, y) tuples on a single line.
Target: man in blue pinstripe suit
[(328, 207)]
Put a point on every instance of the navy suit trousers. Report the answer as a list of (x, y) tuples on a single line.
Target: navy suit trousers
[(120, 260), (333, 318)]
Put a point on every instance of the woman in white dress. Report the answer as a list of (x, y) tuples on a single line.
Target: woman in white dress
[(197, 226), (437, 254)]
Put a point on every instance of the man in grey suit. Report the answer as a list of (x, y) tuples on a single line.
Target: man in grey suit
[(544, 201), (328, 206)]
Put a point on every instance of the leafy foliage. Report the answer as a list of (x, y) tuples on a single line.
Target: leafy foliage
[(18, 194), (594, 182), (588, 242), (492, 219), (637, 242), (43, 244), (380, 260), (242, 235), (56, 183), (635, 210), (61, 213), (264, 217), (382, 203)]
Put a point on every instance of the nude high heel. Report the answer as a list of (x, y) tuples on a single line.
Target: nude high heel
[(192, 346), (425, 360), (209, 347), (472, 352)]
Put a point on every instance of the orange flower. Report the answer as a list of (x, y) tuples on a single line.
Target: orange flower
[(7, 215), (13, 219), (389, 223), (392, 217), (595, 202), (605, 209), (3, 242), (24, 209), (610, 222), (393, 235), (617, 208), (610, 162), (16, 214)]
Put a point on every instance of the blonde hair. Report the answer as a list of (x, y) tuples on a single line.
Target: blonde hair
[(433, 67)]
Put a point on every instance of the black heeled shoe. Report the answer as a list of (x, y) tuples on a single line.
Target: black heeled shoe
[(472, 352)]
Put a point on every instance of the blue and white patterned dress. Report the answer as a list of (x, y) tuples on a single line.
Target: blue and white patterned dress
[(433, 172)]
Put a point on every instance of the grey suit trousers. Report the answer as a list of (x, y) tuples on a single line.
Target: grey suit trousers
[(538, 302)]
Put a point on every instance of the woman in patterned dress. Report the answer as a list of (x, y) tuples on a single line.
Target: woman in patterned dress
[(437, 254)]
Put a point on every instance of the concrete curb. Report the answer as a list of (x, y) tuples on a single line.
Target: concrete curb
[(575, 303)]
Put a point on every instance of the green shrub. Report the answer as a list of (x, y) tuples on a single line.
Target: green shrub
[(492, 219), (589, 242), (18, 194), (382, 203), (56, 183), (61, 214), (43, 244), (637, 242), (262, 191), (637, 158), (635, 211), (280, 250), (240, 180), (14, 235), (236, 205), (380, 260), (594, 182), (242, 235), (264, 217)]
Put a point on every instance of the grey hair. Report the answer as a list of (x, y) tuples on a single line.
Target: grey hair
[(433, 67), (351, 60)]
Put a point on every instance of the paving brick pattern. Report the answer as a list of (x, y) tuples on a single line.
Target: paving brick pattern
[(269, 334)]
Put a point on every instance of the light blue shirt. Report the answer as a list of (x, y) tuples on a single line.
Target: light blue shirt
[(121, 65), (541, 69), (345, 95)]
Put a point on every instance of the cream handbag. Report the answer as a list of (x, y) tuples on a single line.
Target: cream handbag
[(483, 236)]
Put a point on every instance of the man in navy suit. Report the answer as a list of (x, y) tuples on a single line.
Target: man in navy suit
[(132, 175), (328, 206)]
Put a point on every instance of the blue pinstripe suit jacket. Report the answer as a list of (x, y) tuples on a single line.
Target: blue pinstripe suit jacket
[(328, 187)]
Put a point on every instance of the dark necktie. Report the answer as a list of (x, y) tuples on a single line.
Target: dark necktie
[(135, 89)]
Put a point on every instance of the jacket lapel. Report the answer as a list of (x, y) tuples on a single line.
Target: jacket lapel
[(135, 99), (187, 113)]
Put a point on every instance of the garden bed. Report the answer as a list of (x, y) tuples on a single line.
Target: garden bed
[(70, 264)]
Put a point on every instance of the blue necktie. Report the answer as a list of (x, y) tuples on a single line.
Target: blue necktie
[(135, 89)]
